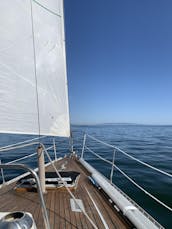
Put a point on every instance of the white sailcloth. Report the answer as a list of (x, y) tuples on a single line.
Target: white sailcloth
[(18, 101)]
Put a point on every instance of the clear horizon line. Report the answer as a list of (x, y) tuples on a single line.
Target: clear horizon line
[(122, 123)]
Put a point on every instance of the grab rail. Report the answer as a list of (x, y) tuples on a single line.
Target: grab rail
[(114, 166), (24, 167)]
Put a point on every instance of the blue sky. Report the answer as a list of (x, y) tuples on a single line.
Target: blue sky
[(119, 60)]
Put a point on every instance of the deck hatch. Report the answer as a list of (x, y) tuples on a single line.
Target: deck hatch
[(76, 207)]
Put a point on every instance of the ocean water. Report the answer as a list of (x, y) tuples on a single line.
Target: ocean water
[(151, 144)]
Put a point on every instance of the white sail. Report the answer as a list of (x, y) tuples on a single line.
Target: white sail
[(18, 95)]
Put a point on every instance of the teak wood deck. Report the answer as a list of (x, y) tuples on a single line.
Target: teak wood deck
[(58, 203)]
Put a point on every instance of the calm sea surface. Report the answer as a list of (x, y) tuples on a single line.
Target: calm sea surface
[(151, 144)]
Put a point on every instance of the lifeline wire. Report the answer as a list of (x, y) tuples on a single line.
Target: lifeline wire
[(128, 155), (19, 143), (138, 186)]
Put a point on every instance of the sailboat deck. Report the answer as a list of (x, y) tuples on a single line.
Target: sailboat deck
[(58, 203)]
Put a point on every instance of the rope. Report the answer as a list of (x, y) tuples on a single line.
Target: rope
[(146, 192), (103, 159), (70, 193), (19, 143), (20, 146), (104, 143), (126, 154), (22, 158), (35, 72), (138, 186), (45, 8)]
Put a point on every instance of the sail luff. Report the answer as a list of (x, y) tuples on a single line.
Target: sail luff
[(65, 63)]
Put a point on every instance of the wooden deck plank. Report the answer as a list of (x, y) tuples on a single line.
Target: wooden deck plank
[(112, 215), (62, 210), (67, 209), (72, 218), (104, 211), (5, 202), (96, 218), (81, 216), (58, 204), (40, 221), (90, 206), (57, 211), (90, 209), (52, 215), (82, 221), (48, 205)]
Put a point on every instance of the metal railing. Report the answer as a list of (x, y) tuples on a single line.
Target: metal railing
[(43, 207), (20, 145), (10, 165), (112, 163)]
